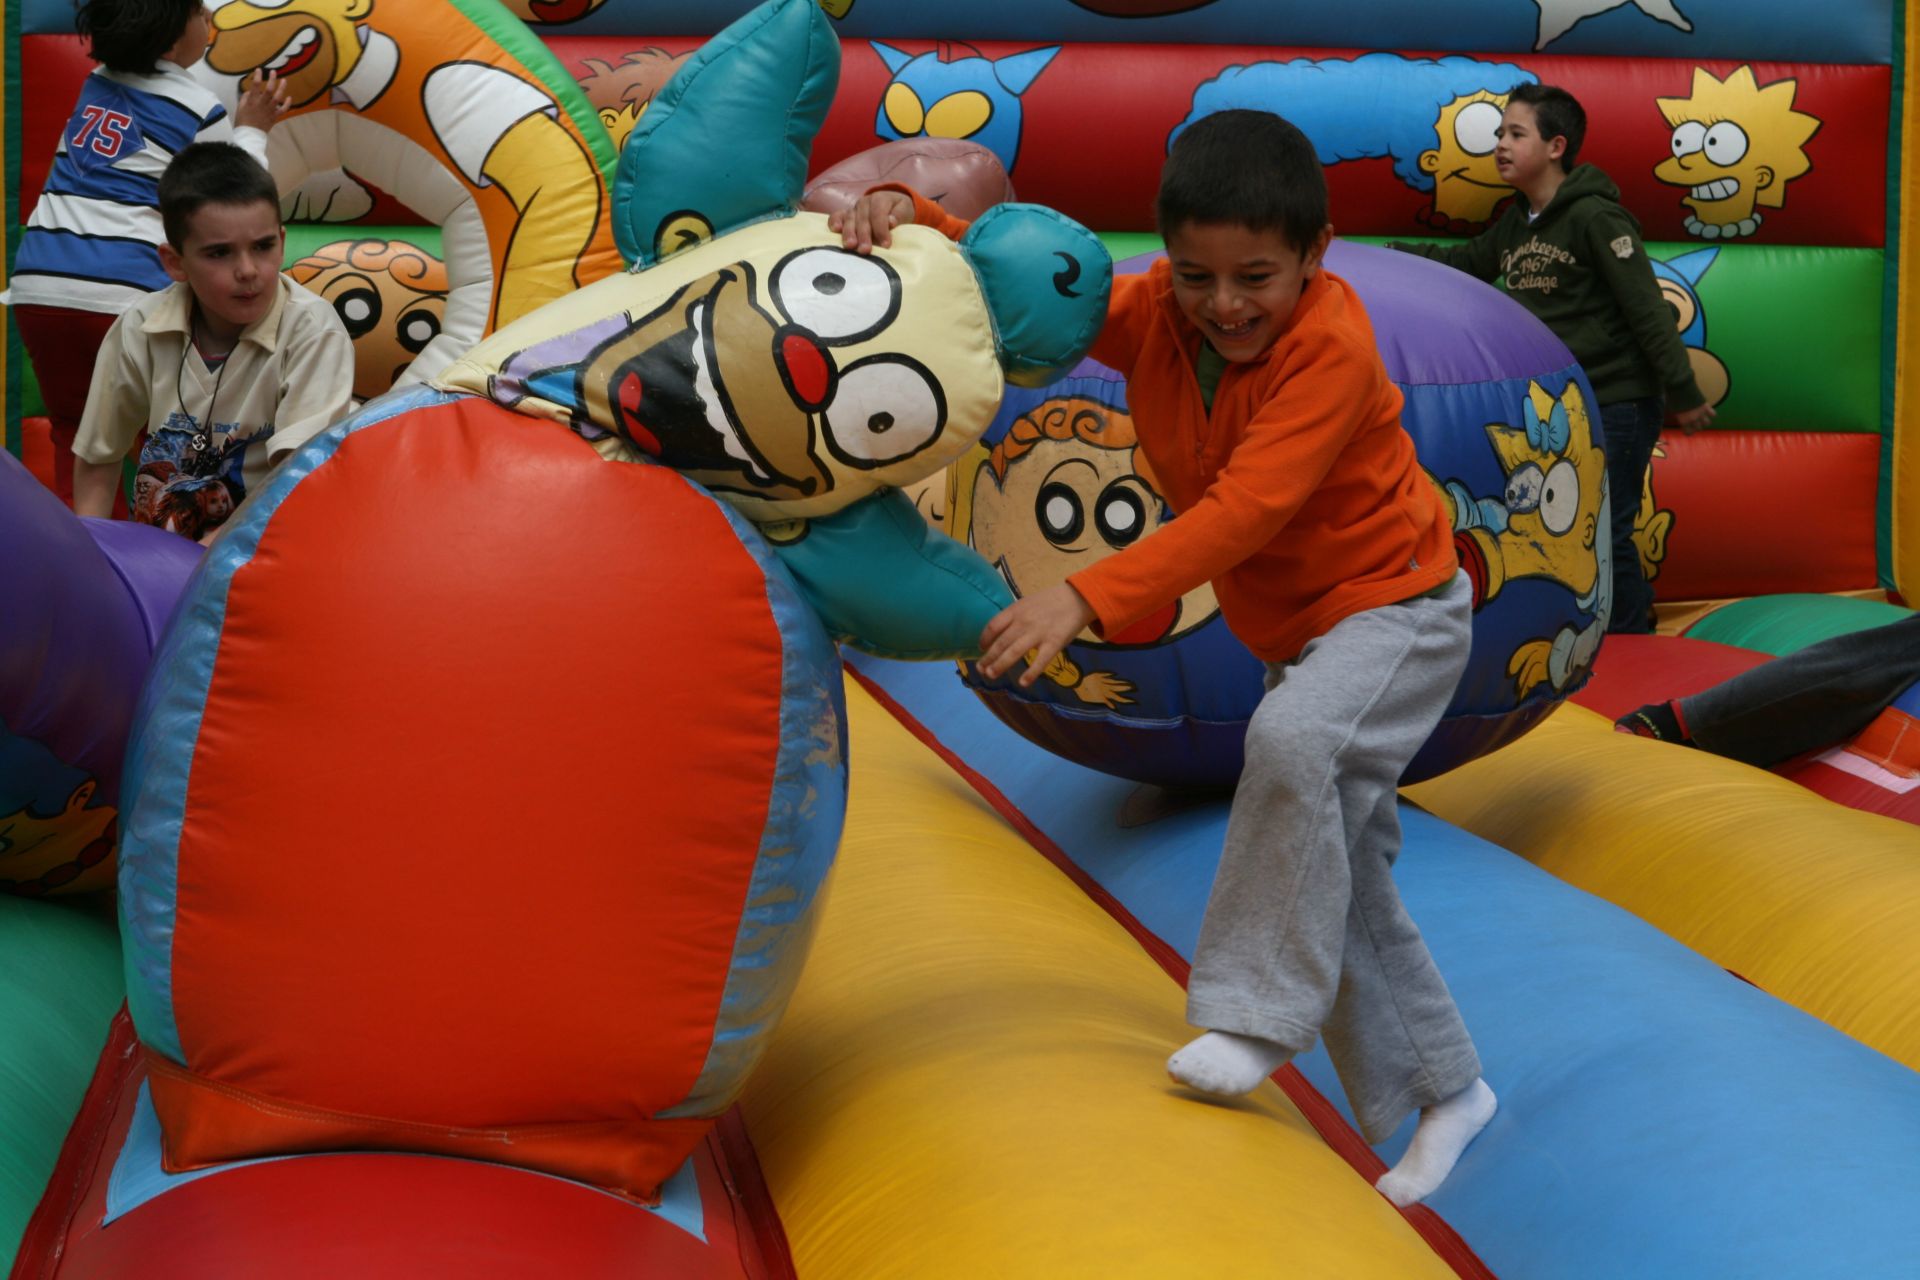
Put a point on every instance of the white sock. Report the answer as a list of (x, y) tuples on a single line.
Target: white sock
[(1445, 1129), (1227, 1063)]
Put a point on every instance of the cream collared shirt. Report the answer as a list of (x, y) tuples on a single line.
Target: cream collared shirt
[(288, 378)]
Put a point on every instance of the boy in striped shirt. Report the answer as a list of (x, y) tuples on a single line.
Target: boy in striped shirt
[(91, 247)]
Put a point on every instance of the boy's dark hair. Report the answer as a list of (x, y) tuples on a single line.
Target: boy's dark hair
[(130, 35), (206, 173), (1245, 167), (1558, 114)]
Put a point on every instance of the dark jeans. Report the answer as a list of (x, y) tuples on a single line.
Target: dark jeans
[(1816, 697), (1631, 429)]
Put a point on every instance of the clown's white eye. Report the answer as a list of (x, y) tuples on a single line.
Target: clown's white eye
[(1726, 143), (1560, 498), (885, 408), (1523, 489), (1689, 137), (1476, 127), (836, 296)]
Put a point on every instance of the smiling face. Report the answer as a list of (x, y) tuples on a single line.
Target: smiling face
[(769, 365), (1734, 145), (309, 44), (689, 383), (1466, 180), (1239, 286), (1063, 491)]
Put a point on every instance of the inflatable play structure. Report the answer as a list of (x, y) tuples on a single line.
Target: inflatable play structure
[(514, 879)]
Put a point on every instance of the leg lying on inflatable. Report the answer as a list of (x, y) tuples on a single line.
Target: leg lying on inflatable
[(1811, 698)]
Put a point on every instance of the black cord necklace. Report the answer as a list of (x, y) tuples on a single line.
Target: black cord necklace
[(201, 457)]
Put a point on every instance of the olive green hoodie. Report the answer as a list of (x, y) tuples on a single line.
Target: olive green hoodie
[(1581, 268)]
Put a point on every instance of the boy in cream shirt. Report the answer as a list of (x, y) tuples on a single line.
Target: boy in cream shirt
[(228, 370)]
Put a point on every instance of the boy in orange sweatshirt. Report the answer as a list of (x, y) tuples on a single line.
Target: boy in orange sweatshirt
[(1263, 407)]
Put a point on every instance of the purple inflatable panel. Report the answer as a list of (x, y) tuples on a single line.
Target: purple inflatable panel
[(153, 563)]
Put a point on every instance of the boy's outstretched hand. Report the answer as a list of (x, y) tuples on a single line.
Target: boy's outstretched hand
[(262, 102), (871, 220), (1035, 627)]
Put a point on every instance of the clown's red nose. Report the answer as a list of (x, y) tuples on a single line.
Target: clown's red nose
[(807, 369)]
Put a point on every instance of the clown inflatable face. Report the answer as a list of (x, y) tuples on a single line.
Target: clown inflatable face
[(778, 370)]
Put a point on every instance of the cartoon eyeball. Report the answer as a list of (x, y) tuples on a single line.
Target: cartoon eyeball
[(839, 297), (1477, 127), (886, 408), (1560, 498)]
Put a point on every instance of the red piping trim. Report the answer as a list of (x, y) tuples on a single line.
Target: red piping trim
[(1320, 1113), (753, 1205), (48, 1230)]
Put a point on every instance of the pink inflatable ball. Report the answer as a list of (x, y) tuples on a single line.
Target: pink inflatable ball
[(964, 176)]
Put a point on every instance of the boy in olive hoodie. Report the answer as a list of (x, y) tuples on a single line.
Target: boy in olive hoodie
[(1571, 254)]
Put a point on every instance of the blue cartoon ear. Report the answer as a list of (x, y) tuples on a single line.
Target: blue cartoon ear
[(726, 142), (891, 56), (1691, 266), (1018, 71)]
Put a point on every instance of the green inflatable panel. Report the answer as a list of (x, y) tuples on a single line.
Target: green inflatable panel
[(60, 984), (1782, 624), (1788, 337), (305, 237)]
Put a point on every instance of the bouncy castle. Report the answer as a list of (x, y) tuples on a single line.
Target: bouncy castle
[(558, 831)]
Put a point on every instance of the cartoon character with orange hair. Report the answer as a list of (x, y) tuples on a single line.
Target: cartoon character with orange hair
[(1064, 488), (621, 91), (390, 295), (1736, 146)]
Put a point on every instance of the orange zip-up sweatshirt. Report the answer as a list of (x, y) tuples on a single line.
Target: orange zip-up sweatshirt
[(1298, 497)]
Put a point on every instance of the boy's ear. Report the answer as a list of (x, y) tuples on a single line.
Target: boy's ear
[(1556, 146), (1317, 250), (172, 263)]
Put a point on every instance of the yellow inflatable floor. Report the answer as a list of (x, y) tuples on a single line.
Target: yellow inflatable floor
[(1812, 901), (970, 1079)]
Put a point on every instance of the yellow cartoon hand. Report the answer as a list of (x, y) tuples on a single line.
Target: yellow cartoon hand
[(1529, 665), (1104, 688)]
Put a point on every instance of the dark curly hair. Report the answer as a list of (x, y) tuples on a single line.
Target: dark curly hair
[(129, 36)]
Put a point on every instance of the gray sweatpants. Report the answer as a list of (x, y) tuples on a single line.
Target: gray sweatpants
[(1304, 934)]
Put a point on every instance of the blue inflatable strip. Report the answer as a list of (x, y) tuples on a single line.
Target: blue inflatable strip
[(1658, 1116), (805, 808), (1779, 30), (137, 1176), (167, 725)]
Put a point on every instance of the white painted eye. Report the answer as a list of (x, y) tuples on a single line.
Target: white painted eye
[(1688, 137), (1560, 498), (1523, 489), (1476, 128), (885, 408), (836, 296), (356, 308), (1726, 143)]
